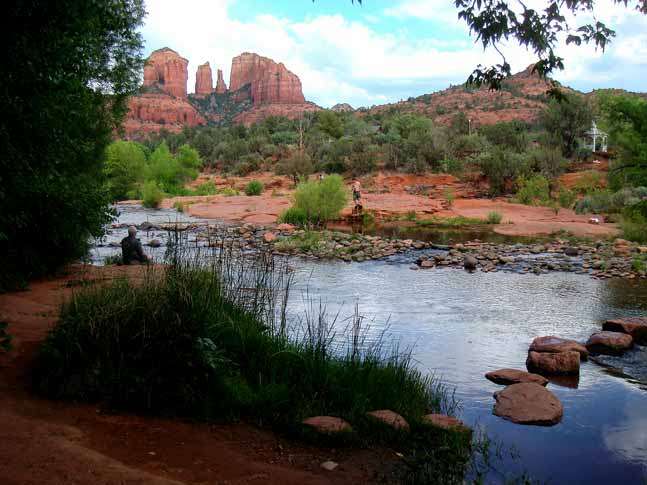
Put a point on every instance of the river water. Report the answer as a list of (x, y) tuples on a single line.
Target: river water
[(462, 325)]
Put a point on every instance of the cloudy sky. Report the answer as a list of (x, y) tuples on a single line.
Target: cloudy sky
[(381, 51)]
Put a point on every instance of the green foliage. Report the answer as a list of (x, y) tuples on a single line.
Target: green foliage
[(566, 197), (450, 197), (565, 120), (296, 166), (304, 242), (205, 188), (510, 135), (589, 182), (458, 221), (5, 338), (184, 342), (68, 69), (152, 194), (494, 217), (634, 228), (639, 264), (323, 200), (626, 117), (294, 216), (124, 169), (548, 161), (254, 187), (534, 190), (503, 167), (170, 172), (363, 157), (330, 123)]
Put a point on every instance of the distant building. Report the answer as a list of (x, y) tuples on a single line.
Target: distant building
[(596, 135)]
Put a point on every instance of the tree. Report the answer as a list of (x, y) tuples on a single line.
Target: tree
[(68, 67), (538, 29), (329, 123), (124, 169), (565, 120), (297, 165), (626, 117)]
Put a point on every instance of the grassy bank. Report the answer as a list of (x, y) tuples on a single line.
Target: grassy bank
[(206, 337)]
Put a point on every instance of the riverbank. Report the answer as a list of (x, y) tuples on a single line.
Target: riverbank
[(57, 442)]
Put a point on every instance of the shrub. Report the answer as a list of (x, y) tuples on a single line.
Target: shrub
[(124, 168), (634, 228), (502, 167), (297, 165), (206, 188), (596, 202), (566, 197), (294, 216), (323, 200), (533, 191), (229, 192), (152, 195), (255, 187), (548, 161), (494, 217), (589, 182)]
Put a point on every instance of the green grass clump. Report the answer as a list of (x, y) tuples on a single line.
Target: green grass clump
[(303, 242), (458, 221), (639, 263), (634, 228), (294, 216), (255, 187), (186, 340), (494, 217), (229, 192), (534, 190), (205, 188), (152, 195)]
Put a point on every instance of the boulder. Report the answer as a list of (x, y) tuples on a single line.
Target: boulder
[(327, 424), (514, 376), (285, 227), (443, 421), (470, 263), (389, 418), (427, 263), (571, 251), (560, 363), (528, 403), (634, 326), (269, 237), (154, 243), (552, 344), (611, 343)]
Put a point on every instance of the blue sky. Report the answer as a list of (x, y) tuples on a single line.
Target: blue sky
[(381, 51)]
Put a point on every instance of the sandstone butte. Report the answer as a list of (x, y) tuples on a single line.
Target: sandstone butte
[(261, 86), (203, 80)]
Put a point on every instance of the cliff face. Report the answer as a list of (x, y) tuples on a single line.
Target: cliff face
[(270, 82), (167, 70), (221, 87), (259, 87), (203, 80)]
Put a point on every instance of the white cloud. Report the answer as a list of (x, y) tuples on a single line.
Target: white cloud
[(339, 60)]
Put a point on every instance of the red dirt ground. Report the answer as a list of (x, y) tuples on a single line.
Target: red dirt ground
[(51, 442), (389, 195)]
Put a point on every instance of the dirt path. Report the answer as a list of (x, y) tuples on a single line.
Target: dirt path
[(43, 441)]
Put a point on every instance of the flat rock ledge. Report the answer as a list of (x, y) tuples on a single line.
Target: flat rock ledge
[(445, 422), (561, 363), (634, 326), (552, 344), (514, 376), (389, 418), (610, 343), (327, 425), (528, 403)]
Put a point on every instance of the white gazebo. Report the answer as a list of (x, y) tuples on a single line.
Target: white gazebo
[(596, 134)]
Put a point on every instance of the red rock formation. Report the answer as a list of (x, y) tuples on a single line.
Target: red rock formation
[(152, 112), (259, 113), (270, 82), (167, 70), (221, 87), (203, 80)]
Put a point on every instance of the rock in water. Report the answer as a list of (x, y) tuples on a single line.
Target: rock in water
[(560, 363), (634, 326), (389, 418), (528, 403), (553, 344), (514, 376), (444, 421), (611, 343), (470, 263), (327, 424), (203, 80)]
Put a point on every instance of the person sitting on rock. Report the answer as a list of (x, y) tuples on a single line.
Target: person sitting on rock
[(131, 248)]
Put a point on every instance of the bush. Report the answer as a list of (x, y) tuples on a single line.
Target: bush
[(321, 201), (494, 217), (205, 188), (294, 216), (634, 228), (597, 202), (124, 169), (566, 197), (255, 187), (589, 182), (533, 191), (296, 166), (502, 167), (152, 195)]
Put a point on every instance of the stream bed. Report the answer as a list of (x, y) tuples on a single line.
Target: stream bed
[(462, 325)]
